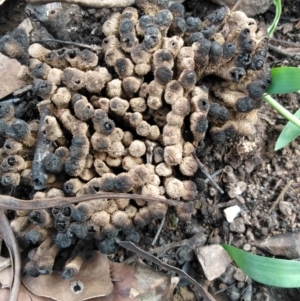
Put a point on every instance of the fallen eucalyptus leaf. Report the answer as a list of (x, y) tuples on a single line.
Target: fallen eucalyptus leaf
[(122, 277), (149, 284), (93, 280), (24, 294)]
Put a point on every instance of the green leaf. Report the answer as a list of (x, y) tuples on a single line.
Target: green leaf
[(269, 271), (288, 134), (284, 80), (273, 26)]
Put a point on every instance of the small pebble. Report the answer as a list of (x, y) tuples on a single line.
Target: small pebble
[(240, 276), (231, 213), (247, 247), (286, 208), (237, 225)]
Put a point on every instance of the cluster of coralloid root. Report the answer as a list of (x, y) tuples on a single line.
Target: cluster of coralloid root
[(129, 121)]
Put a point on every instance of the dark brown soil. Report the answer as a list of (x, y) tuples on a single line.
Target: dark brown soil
[(265, 171), (12, 13)]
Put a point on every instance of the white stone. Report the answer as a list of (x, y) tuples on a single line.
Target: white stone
[(231, 213)]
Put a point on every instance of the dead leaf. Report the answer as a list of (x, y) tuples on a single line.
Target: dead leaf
[(139, 282), (92, 281), (24, 294), (6, 277), (9, 69), (149, 284), (287, 27), (122, 277), (4, 263)]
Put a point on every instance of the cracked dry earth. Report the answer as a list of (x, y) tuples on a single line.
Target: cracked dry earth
[(251, 173)]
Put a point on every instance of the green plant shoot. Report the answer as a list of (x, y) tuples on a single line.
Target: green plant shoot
[(285, 80), (268, 271), (288, 134), (273, 26)]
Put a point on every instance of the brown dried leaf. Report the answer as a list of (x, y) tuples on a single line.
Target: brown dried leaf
[(9, 69), (287, 27), (24, 294), (139, 282), (149, 284), (6, 277), (94, 278), (122, 276)]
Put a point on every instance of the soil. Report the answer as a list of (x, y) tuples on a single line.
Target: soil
[(265, 171)]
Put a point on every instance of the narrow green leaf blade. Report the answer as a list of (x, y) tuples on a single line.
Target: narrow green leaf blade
[(284, 80), (273, 26), (288, 134), (268, 271)]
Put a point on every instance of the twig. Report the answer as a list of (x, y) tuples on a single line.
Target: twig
[(12, 100), (280, 196), (227, 204), (10, 240), (94, 48), (159, 230), (283, 52), (133, 248), (11, 203), (161, 250), (204, 170), (90, 3), (282, 42), (235, 7), (213, 175)]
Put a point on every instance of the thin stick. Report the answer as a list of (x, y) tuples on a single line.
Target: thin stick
[(204, 170), (235, 7), (89, 3), (284, 53), (291, 44), (227, 204), (95, 48), (12, 100), (11, 203), (280, 196), (133, 248), (11, 242), (159, 230), (161, 250), (213, 175)]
